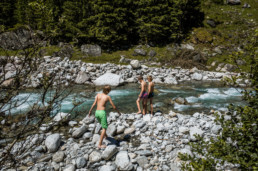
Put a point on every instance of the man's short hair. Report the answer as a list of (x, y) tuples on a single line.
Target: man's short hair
[(140, 78), (106, 89), (150, 77)]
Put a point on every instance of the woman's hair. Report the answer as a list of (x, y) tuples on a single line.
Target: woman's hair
[(106, 89), (150, 77), (140, 78)]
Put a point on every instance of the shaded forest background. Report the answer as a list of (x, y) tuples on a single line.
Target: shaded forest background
[(104, 22)]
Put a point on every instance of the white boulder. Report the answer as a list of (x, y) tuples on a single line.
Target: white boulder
[(53, 142), (109, 79)]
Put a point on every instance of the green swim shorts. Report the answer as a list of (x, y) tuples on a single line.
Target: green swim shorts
[(102, 118)]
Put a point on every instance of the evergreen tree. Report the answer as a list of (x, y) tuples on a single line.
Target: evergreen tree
[(7, 8), (192, 16), (107, 24), (73, 13), (157, 20)]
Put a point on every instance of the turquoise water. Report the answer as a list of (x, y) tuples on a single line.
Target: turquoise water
[(202, 98)]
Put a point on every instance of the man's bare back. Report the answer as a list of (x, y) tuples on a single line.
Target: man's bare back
[(102, 99)]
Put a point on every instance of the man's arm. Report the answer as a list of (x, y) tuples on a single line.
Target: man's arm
[(114, 107), (93, 104)]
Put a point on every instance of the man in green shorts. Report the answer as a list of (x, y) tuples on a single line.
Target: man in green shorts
[(101, 100)]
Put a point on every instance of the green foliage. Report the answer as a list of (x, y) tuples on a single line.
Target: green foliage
[(157, 20), (237, 143), (105, 22), (108, 22)]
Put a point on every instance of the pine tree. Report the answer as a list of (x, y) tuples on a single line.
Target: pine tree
[(107, 24), (7, 8), (192, 16), (157, 20), (72, 14)]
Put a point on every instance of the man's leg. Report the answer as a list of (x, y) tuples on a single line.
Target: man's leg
[(145, 105), (138, 105), (151, 106), (103, 134)]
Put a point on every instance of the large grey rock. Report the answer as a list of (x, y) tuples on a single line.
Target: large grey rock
[(111, 130), (109, 152), (18, 39), (109, 79), (193, 131), (58, 156), (135, 64), (79, 132), (170, 80), (80, 162), (234, 2), (141, 52), (142, 161), (197, 76), (61, 116), (95, 157), (91, 50), (53, 142), (69, 167), (123, 161), (82, 77)]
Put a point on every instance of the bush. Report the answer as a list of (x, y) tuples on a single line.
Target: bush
[(237, 143)]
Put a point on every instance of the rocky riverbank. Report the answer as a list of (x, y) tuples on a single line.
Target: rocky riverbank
[(135, 142), (66, 72)]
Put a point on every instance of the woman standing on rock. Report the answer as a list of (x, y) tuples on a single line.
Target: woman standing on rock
[(101, 100)]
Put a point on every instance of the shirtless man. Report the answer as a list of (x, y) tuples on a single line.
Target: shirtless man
[(142, 96), (101, 100), (150, 93)]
